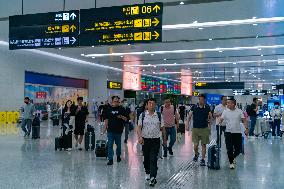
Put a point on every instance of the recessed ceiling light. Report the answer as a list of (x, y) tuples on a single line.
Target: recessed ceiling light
[(175, 63), (200, 28), (145, 51), (280, 79), (220, 51), (59, 48), (94, 57), (254, 17), (264, 62), (200, 72), (254, 24), (143, 70), (165, 59), (128, 44), (82, 54), (233, 76), (181, 3), (261, 55), (263, 80), (154, 72), (165, 69), (256, 36), (270, 70), (93, 46), (259, 49), (149, 64), (152, 54), (234, 63), (250, 73), (210, 39), (155, 66), (258, 78), (195, 22), (121, 56)]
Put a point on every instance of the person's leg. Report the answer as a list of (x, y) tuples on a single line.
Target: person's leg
[(126, 132), (173, 137), (29, 126), (110, 142), (195, 140), (273, 128), (252, 126), (278, 122), (154, 150), (146, 154), (237, 143), (23, 126), (165, 147), (117, 139), (229, 146), (218, 135)]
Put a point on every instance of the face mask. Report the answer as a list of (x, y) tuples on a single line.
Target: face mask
[(26, 102), (276, 106)]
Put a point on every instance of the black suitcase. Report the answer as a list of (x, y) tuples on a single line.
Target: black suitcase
[(181, 128), (67, 140), (213, 161), (59, 143), (101, 148), (90, 141), (36, 127)]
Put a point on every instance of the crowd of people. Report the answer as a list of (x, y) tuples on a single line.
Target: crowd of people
[(157, 129)]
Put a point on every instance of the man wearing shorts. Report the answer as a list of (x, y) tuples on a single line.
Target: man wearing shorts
[(81, 117), (201, 127)]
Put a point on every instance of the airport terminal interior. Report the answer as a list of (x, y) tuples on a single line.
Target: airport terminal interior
[(111, 71)]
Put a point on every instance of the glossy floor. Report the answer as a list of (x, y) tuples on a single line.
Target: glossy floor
[(26, 163)]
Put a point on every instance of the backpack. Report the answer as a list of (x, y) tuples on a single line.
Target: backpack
[(143, 116), (139, 111)]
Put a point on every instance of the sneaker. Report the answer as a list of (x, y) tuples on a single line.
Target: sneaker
[(26, 134), (110, 162), (232, 166), (153, 181), (171, 151), (147, 177), (202, 162), (118, 159), (195, 158), (80, 147)]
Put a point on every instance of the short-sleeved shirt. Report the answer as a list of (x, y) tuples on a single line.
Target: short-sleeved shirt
[(81, 115), (200, 116), (169, 116), (115, 124), (151, 125), (29, 109), (219, 110), (233, 119), (253, 113)]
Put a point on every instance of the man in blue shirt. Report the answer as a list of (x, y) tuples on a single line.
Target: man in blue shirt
[(202, 116)]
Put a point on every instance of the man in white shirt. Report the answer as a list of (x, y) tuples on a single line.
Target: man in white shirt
[(276, 114), (218, 113), (233, 117), (150, 125)]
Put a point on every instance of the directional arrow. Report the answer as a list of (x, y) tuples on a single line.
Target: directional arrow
[(73, 28), (73, 40), (155, 22), (156, 35), (73, 16), (156, 8)]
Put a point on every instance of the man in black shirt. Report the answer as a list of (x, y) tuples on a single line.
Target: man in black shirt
[(114, 124), (81, 117), (253, 116)]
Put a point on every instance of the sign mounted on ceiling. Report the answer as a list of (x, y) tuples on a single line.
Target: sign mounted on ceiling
[(121, 25), (44, 30), (220, 85), (114, 85)]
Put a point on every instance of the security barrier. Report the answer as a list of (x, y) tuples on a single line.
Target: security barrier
[(9, 117)]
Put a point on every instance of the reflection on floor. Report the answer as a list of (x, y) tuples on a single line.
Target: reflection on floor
[(27, 163)]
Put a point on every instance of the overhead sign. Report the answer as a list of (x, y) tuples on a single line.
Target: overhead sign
[(220, 85), (281, 86), (119, 25), (44, 30), (250, 92), (114, 85)]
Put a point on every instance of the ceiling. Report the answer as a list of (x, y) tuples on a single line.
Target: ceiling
[(258, 67)]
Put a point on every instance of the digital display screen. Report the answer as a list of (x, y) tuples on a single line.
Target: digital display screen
[(155, 85)]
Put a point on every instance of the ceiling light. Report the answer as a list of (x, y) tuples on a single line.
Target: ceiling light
[(149, 64), (155, 66), (152, 54), (82, 54), (254, 17), (143, 70), (165, 69), (195, 22), (181, 3), (128, 44), (233, 76), (175, 63), (280, 79), (220, 51), (121, 56), (93, 57), (256, 36), (154, 72), (59, 48), (200, 28), (261, 55), (165, 59), (258, 78), (196, 71), (200, 72), (93, 46), (263, 80), (254, 24), (270, 70), (210, 39), (259, 49), (235, 63), (190, 51)]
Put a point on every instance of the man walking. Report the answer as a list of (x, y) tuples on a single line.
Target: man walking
[(218, 113), (149, 129), (114, 125), (201, 127), (253, 116), (171, 121), (233, 135), (29, 110), (81, 117)]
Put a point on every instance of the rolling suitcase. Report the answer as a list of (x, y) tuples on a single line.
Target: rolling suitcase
[(101, 148), (90, 138), (36, 128), (214, 154)]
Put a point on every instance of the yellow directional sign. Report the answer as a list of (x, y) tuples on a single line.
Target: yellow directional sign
[(156, 8), (155, 22), (73, 28), (156, 35), (200, 84)]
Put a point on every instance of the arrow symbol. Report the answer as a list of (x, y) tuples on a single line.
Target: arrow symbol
[(155, 22), (156, 35), (156, 8), (73, 28), (73, 16), (73, 40)]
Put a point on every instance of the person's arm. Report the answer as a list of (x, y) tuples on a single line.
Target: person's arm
[(177, 117), (188, 120), (209, 119), (105, 126), (245, 124), (139, 130), (216, 114)]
